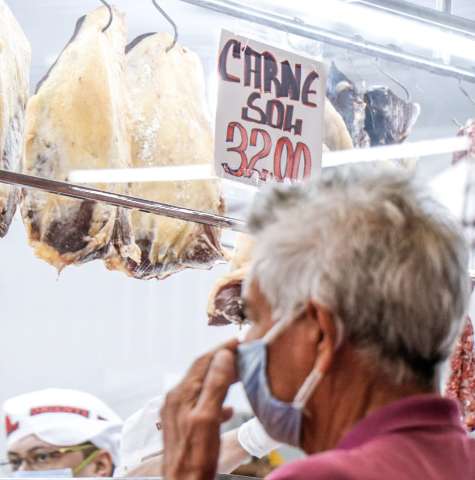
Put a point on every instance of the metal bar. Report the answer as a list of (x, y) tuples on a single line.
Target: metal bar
[(84, 193), (298, 27), (444, 6), (440, 18)]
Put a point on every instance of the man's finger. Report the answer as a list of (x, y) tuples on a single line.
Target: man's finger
[(199, 367), (230, 345), (221, 374)]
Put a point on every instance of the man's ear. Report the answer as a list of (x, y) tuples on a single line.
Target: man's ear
[(103, 464), (327, 335)]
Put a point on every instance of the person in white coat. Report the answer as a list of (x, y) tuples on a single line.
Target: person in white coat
[(142, 444)]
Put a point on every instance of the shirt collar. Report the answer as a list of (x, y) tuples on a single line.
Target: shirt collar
[(412, 412)]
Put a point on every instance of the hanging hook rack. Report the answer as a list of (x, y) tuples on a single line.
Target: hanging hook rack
[(171, 22), (111, 15), (393, 79), (462, 89)]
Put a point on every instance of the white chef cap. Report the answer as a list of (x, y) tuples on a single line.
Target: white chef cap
[(141, 438), (64, 418)]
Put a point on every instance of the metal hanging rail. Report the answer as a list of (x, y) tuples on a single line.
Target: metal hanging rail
[(441, 18), (84, 193), (298, 26)]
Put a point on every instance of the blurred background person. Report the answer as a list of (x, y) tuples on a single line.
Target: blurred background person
[(141, 453), (60, 432)]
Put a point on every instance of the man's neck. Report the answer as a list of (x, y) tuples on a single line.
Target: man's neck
[(344, 397)]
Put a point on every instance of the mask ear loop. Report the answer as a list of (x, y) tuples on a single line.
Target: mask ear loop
[(312, 381), (276, 330), (307, 389)]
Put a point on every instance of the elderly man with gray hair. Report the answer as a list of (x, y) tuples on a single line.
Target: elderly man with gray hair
[(356, 294)]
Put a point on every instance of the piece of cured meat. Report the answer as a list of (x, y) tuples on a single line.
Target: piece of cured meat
[(461, 383), (169, 127), (15, 58), (349, 103), (78, 119), (225, 303), (467, 130), (336, 136), (389, 119)]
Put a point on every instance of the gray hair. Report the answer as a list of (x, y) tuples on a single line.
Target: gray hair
[(370, 244)]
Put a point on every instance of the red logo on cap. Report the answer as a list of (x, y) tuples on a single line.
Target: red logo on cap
[(59, 409), (11, 427)]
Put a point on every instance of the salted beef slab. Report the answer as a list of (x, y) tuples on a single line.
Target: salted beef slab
[(461, 384), (78, 119), (225, 302), (170, 126), (15, 59), (389, 119)]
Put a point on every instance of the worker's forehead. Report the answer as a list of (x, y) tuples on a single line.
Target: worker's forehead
[(25, 444)]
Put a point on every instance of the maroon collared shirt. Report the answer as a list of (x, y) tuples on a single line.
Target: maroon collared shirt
[(418, 438)]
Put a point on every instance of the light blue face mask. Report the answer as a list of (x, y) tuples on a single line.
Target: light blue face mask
[(281, 420), (57, 473)]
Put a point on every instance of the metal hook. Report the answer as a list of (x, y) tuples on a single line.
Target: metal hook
[(111, 15), (395, 80), (462, 89), (171, 22)]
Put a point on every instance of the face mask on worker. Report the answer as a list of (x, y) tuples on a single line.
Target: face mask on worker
[(54, 473), (281, 420)]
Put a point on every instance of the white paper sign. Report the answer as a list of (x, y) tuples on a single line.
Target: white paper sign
[(269, 119)]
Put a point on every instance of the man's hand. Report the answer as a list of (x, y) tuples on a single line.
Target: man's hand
[(193, 413)]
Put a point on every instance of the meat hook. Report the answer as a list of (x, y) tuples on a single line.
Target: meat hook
[(462, 89), (111, 15), (171, 22), (395, 80)]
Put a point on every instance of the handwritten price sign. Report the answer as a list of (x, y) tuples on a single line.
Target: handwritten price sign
[(269, 121)]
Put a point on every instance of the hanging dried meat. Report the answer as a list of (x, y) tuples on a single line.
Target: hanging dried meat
[(377, 117), (169, 127), (461, 383), (349, 103), (78, 119), (336, 136), (389, 119), (15, 57), (466, 130), (225, 304)]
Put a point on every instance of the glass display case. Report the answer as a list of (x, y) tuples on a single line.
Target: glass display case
[(127, 339)]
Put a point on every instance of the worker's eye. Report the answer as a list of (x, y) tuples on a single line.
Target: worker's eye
[(15, 463), (45, 457)]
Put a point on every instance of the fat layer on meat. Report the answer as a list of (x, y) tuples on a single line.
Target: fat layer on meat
[(169, 127), (78, 119), (15, 58), (336, 135)]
